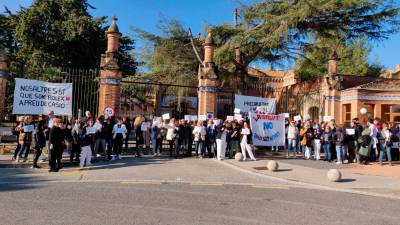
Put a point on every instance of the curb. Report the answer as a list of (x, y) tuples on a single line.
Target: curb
[(308, 185)]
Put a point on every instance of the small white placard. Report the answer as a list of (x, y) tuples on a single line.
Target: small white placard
[(187, 117), (119, 130), (236, 111), (202, 117), (327, 118), (350, 131), (157, 120), (238, 117), (245, 131), (97, 126), (166, 116), (28, 128), (144, 127), (297, 118), (396, 145), (286, 115), (230, 118), (193, 118), (90, 130), (216, 122)]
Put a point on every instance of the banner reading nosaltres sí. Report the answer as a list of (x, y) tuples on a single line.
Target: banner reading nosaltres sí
[(34, 97), (268, 130)]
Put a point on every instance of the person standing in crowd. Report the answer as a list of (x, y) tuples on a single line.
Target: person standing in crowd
[(338, 138), (246, 141), (119, 135), (40, 142), (292, 133), (358, 132), (155, 134), (99, 136), (108, 133), (365, 142), (229, 132), (374, 136), (56, 145), (317, 141), (395, 142), (138, 136), (306, 135), (188, 138), (179, 139), (385, 143), (68, 134), (128, 125), (327, 139), (145, 128), (171, 135), (235, 139), (199, 139), (49, 125), (76, 141), (221, 140), (160, 138), (350, 140), (210, 139), (16, 133), (25, 130), (88, 137)]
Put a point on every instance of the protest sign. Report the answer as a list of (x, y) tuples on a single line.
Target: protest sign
[(229, 118), (193, 118), (350, 131), (157, 120), (216, 122), (165, 116), (210, 115), (36, 97), (238, 117), (236, 111), (297, 118), (268, 130), (187, 117), (202, 117), (286, 115), (327, 118), (144, 126), (248, 104), (28, 128)]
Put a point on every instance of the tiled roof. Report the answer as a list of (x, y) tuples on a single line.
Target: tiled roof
[(381, 84), (254, 72)]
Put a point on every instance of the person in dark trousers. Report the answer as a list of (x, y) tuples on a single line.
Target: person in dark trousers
[(187, 138), (179, 139), (16, 133), (138, 136), (76, 141), (68, 134), (25, 138), (56, 145), (40, 142), (350, 140), (119, 135), (108, 128), (210, 139), (128, 125)]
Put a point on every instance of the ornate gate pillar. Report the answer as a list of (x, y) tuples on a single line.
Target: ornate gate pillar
[(110, 76), (3, 83), (208, 80)]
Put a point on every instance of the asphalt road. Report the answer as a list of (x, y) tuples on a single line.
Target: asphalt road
[(188, 191)]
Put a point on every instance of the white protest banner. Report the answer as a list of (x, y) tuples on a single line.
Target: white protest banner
[(248, 104), (202, 117), (165, 116), (229, 118), (193, 118), (268, 130), (187, 117), (297, 118), (327, 118), (36, 97)]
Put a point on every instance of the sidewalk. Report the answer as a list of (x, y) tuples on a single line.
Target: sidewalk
[(355, 179)]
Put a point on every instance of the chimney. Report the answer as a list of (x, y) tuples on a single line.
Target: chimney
[(209, 48), (332, 64)]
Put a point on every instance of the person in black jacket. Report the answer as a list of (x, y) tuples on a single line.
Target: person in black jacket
[(76, 141), (56, 145), (87, 138), (179, 139), (40, 142)]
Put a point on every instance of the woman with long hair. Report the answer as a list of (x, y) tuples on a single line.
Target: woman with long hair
[(138, 135), (246, 141)]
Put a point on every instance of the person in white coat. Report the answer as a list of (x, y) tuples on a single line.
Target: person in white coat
[(119, 135), (246, 141), (221, 141), (199, 139)]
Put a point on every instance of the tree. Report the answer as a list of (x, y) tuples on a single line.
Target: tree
[(273, 31), (353, 59)]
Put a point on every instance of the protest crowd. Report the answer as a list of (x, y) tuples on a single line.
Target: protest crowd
[(107, 138)]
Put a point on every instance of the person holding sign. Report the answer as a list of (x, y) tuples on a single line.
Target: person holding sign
[(246, 141), (87, 137), (119, 135), (25, 130), (199, 139)]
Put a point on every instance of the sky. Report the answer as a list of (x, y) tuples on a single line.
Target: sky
[(195, 14)]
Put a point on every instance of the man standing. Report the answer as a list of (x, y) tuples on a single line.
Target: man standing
[(56, 145)]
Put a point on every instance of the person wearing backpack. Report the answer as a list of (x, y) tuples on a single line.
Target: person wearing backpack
[(338, 138), (119, 135)]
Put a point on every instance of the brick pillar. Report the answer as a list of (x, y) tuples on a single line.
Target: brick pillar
[(208, 80), (3, 83), (110, 76)]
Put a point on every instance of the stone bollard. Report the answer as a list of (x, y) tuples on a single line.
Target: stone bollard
[(272, 165), (334, 175), (238, 156)]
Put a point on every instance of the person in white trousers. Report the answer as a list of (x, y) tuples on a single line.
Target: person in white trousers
[(317, 141), (245, 142), (221, 141), (87, 141)]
